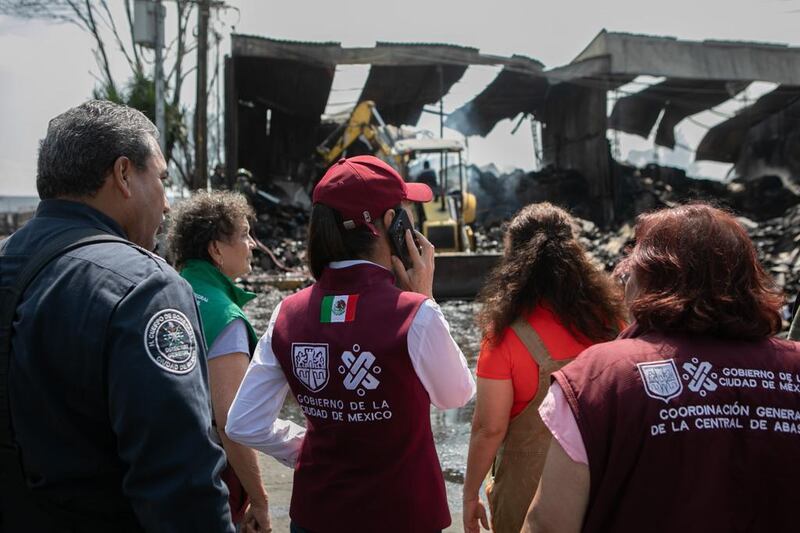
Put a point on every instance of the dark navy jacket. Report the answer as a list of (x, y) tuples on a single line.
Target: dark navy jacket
[(108, 383)]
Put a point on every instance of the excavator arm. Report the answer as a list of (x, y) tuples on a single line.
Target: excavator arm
[(366, 123)]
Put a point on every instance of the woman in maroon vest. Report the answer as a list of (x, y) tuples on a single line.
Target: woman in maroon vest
[(690, 420), (543, 304), (364, 359)]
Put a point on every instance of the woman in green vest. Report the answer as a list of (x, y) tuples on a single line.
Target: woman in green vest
[(211, 246)]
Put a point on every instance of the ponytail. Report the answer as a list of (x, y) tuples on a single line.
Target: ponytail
[(328, 240), (544, 263)]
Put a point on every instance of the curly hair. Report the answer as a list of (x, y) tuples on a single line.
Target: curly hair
[(205, 217), (543, 262), (696, 271)]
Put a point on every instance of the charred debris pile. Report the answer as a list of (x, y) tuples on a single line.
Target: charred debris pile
[(769, 207)]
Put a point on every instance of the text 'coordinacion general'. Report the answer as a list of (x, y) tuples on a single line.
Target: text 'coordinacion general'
[(726, 416)]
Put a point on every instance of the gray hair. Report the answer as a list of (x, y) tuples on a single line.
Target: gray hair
[(83, 143)]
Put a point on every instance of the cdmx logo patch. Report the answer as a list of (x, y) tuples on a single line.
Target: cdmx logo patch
[(359, 371), (700, 376), (660, 379), (169, 341), (310, 365)]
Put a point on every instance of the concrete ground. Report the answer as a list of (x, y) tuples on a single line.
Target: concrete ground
[(278, 481)]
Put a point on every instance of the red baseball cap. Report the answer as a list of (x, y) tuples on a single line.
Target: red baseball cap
[(363, 188)]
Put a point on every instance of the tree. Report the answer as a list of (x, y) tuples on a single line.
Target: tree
[(113, 40), (140, 93)]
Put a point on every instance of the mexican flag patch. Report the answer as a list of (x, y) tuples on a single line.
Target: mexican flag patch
[(338, 308)]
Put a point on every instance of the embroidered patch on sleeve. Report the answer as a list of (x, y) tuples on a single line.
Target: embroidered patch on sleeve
[(170, 342)]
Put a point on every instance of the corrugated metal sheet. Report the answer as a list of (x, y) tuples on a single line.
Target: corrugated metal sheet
[(401, 91), (279, 107), (725, 141), (678, 98), (515, 90)]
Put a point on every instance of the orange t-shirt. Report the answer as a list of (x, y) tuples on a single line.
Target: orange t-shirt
[(509, 359)]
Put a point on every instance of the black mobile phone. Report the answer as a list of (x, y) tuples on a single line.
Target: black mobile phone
[(397, 236)]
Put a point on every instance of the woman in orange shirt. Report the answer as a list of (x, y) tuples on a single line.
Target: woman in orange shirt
[(542, 305)]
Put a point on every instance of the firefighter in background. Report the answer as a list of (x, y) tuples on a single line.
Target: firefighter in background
[(244, 183), (217, 180)]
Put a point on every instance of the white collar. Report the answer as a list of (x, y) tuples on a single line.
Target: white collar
[(352, 262)]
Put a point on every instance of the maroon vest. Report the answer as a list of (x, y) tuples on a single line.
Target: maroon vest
[(368, 462), (689, 434)]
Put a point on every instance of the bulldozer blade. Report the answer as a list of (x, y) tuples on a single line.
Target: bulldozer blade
[(461, 275)]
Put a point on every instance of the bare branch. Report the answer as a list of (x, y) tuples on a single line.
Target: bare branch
[(186, 74), (113, 38), (81, 16), (113, 27), (101, 47)]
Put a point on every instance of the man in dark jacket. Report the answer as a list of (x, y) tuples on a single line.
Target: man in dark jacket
[(107, 383)]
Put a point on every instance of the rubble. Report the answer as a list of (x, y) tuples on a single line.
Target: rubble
[(767, 207), (282, 231), (778, 244)]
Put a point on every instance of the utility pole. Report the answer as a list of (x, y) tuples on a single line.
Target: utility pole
[(148, 31), (200, 179), (537, 143), (161, 122)]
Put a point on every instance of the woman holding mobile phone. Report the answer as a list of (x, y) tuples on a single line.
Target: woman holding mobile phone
[(365, 351)]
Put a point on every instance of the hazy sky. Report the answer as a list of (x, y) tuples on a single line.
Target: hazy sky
[(46, 68)]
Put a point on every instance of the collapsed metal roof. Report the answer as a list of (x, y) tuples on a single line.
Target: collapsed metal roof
[(403, 77), (724, 141), (519, 88), (700, 75), (281, 88), (276, 92), (627, 53), (677, 98), (400, 92)]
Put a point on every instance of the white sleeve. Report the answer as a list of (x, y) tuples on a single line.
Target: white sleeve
[(232, 339), (253, 416), (438, 360)]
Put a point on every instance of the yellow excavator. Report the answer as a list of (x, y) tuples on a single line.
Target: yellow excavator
[(364, 124), (445, 222)]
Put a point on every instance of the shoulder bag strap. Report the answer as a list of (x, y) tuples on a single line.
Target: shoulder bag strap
[(532, 341), (11, 294)]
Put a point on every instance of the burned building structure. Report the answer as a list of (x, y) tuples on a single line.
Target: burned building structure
[(277, 91)]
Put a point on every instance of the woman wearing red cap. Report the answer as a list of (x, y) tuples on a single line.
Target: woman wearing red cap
[(364, 351)]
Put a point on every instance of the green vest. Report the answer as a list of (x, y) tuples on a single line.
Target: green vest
[(220, 301)]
